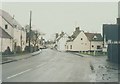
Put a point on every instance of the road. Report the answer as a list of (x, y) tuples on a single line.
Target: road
[(50, 66)]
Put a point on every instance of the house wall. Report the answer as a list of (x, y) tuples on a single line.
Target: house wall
[(67, 47), (5, 42), (17, 38), (23, 40), (61, 43), (15, 33), (94, 45), (81, 43), (9, 30)]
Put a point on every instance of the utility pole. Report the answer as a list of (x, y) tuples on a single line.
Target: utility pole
[(30, 32), (21, 40)]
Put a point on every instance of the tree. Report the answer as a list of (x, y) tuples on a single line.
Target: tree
[(34, 38)]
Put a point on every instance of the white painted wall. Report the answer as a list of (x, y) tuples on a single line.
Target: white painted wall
[(17, 37), (10, 28), (61, 43), (67, 47), (5, 42), (95, 44), (78, 44), (23, 39), (3, 22), (15, 33), (84, 44)]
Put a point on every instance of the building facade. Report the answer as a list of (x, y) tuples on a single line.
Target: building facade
[(111, 35), (85, 41), (5, 38), (14, 29), (60, 42)]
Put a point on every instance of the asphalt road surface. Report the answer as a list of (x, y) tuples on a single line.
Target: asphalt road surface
[(50, 66)]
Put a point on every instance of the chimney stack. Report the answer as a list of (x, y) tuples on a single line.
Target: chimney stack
[(118, 21), (77, 29)]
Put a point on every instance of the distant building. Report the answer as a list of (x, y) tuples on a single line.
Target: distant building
[(84, 41), (61, 41), (14, 29), (50, 44), (111, 35)]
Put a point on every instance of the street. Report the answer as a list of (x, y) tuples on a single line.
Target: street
[(59, 42), (53, 66)]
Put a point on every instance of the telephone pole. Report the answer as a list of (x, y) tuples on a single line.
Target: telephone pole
[(30, 31)]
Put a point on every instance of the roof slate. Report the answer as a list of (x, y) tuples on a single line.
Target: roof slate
[(60, 36), (10, 19), (4, 34), (90, 36)]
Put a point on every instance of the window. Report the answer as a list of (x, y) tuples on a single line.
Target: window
[(70, 46), (92, 45), (95, 37), (81, 38), (98, 47), (6, 26)]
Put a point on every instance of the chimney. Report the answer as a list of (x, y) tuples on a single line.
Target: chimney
[(77, 29), (118, 21), (56, 35)]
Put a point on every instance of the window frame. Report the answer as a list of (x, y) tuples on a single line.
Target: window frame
[(6, 26)]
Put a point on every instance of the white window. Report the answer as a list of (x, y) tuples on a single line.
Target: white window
[(95, 37)]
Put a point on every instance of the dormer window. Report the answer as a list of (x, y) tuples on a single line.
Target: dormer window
[(95, 37), (6, 26)]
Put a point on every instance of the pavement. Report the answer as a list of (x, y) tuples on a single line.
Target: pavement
[(8, 59), (103, 70), (54, 66)]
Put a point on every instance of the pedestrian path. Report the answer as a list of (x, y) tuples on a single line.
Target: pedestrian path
[(8, 59)]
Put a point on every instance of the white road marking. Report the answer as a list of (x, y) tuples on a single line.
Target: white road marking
[(41, 65), (18, 74)]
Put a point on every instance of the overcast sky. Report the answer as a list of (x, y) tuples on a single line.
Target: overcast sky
[(56, 17)]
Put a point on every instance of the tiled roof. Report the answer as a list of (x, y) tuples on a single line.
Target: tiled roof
[(10, 19), (94, 36), (74, 35), (4, 34), (60, 36)]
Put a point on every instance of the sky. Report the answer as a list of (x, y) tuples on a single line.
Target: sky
[(54, 17)]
